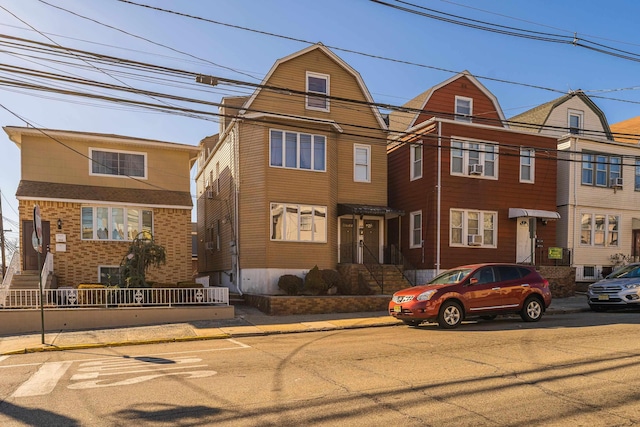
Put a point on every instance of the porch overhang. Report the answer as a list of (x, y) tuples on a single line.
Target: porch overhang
[(534, 213), (356, 209)]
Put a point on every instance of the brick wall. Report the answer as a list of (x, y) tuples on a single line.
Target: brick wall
[(80, 260), (562, 280), (288, 305)]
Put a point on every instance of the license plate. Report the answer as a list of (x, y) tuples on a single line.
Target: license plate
[(603, 297), (397, 309)]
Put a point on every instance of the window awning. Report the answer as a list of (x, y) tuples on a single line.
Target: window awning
[(536, 213), (354, 209)]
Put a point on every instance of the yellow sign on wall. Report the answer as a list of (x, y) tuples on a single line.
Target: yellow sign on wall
[(555, 253)]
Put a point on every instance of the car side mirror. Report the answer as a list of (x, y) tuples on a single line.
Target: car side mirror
[(473, 280)]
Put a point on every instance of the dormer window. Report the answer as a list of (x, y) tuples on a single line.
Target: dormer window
[(575, 122), (317, 84), (464, 109)]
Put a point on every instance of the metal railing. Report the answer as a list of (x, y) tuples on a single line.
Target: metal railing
[(14, 266), (116, 297), (392, 255), (373, 266)]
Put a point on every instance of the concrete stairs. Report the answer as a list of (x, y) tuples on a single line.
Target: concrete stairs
[(392, 279), (27, 280)]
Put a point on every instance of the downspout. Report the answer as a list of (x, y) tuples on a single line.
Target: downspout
[(438, 197), (236, 210), (575, 200)]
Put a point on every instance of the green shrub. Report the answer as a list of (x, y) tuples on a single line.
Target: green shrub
[(290, 284), (314, 284), (333, 279)]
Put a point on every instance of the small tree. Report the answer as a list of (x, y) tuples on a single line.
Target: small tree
[(142, 254)]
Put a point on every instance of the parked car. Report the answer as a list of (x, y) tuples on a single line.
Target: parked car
[(479, 290), (618, 290)]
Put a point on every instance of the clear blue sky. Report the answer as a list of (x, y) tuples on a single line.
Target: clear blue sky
[(433, 48)]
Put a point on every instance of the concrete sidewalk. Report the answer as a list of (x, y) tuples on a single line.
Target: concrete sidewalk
[(248, 321)]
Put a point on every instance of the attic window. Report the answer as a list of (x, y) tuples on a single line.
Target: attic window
[(117, 163), (317, 84), (575, 122), (464, 109)]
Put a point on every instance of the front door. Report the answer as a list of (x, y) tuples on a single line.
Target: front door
[(371, 239), (30, 256), (348, 241), (523, 241), (636, 245)]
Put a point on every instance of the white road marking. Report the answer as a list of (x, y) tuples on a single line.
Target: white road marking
[(44, 380), (91, 375), (136, 380), (3, 358)]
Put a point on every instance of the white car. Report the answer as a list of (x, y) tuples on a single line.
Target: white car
[(619, 289)]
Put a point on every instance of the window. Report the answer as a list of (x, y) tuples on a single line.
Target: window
[(109, 275), (474, 159), (117, 163), (102, 223), (473, 228), (464, 109), (362, 163), (298, 223), (599, 230), (575, 122), (416, 230), (317, 84), (416, 161), (297, 150), (527, 171), (601, 170)]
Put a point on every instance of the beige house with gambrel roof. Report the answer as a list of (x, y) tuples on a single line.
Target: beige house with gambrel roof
[(96, 192), (573, 113), (297, 176)]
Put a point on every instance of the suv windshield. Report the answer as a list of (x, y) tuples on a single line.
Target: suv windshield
[(450, 276), (628, 271)]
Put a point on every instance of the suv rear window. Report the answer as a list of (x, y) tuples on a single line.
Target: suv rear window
[(509, 273)]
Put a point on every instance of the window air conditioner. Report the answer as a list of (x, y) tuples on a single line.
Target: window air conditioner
[(209, 246), (617, 183), (476, 169), (474, 239)]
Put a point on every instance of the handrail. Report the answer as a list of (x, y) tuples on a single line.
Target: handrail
[(397, 258), (373, 266), (14, 266)]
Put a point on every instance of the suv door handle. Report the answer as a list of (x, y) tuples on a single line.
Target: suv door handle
[(525, 285), (495, 289)]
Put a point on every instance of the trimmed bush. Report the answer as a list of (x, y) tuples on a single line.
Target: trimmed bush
[(333, 279), (314, 284), (290, 284)]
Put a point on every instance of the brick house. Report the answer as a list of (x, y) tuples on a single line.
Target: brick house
[(297, 176), (473, 189), (95, 193)]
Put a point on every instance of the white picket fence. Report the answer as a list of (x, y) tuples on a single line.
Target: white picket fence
[(114, 297)]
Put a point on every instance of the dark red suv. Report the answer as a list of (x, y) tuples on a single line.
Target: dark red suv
[(479, 290)]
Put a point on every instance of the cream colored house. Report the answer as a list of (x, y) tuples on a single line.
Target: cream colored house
[(297, 176), (574, 113), (95, 193)]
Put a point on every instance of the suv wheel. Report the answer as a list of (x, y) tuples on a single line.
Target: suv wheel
[(450, 315), (532, 310)]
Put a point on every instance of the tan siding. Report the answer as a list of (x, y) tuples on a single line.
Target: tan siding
[(44, 159)]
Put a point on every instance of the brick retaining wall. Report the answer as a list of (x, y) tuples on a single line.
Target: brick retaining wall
[(287, 305)]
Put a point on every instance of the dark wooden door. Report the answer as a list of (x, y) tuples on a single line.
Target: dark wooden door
[(372, 238), (30, 256)]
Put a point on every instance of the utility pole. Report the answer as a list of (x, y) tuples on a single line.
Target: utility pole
[(4, 259)]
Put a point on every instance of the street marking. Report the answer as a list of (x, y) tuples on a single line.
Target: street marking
[(3, 358), (136, 380), (44, 380)]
